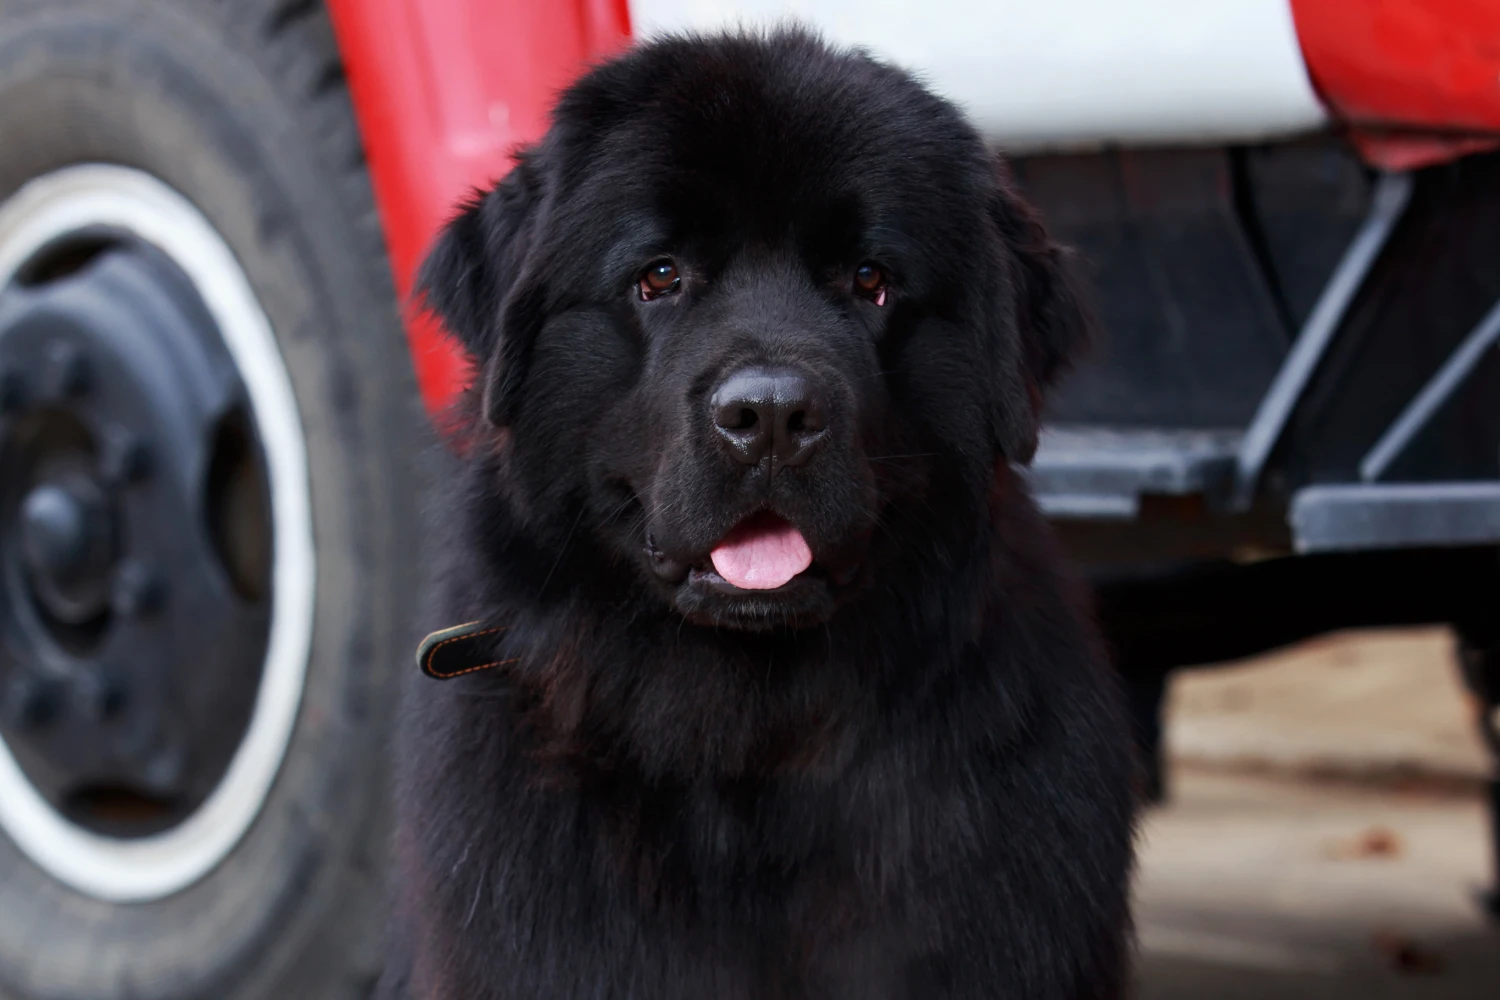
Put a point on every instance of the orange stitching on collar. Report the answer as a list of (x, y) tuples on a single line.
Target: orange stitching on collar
[(470, 670), (427, 660)]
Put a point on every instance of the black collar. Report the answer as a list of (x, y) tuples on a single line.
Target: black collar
[(462, 649)]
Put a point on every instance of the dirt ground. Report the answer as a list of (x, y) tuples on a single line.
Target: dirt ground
[(1324, 837)]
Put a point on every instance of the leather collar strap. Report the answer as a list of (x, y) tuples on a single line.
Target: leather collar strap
[(462, 649)]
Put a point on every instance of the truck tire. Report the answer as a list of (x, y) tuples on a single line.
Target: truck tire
[(209, 506)]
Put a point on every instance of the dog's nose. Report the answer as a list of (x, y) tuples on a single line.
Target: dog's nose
[(770, 411)]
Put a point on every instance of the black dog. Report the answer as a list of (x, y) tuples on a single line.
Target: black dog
[(777, 689)]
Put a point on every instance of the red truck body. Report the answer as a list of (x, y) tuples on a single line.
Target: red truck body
[(445, 90)]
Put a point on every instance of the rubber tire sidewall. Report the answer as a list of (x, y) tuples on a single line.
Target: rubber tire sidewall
[(206, 97)]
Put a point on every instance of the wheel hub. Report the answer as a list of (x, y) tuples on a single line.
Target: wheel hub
[(134, 537), (67, 547)]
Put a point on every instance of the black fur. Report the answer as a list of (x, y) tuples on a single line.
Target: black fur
[(906, 778)]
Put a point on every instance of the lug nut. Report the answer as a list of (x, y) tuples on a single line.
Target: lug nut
[(126, 460), (54, 532), (102, 695), (31, 702), (138, 591), (68, 372)]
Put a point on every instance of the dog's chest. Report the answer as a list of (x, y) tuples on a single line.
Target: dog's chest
[(699, 897)]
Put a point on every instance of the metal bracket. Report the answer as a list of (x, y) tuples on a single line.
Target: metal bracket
[(1101, 473), (1434, 394), (1352, 517), (1392, 193)]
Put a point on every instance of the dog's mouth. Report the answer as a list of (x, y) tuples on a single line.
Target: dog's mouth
[(761, 574), (762, 552)]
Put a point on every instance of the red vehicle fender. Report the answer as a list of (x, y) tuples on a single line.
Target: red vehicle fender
[(444, 91), (1418, 80)]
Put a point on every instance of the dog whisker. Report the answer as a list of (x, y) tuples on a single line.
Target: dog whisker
[(894, 458), (474, 906)]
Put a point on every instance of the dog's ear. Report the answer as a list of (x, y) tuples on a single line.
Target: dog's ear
[(473, 278), (1051, 316)]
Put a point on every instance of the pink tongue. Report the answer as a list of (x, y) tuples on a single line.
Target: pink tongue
[(762, 554)]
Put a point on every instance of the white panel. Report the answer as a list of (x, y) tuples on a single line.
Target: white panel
[(1060, 73)]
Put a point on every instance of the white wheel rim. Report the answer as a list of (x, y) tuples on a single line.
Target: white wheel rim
[(119, 870)]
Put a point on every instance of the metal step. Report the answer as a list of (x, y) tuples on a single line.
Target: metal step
[(1350, 517), (1084, 472)]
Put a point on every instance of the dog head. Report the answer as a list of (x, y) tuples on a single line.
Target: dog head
[(757, 319)]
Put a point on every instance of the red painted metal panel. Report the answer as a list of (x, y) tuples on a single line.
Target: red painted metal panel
[(1412, 150), (444, 91), (1393, 68)]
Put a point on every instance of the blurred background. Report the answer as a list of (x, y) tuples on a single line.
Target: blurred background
[(1280, 469)]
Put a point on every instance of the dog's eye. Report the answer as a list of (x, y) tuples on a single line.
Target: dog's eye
[(871, 282), (660, 278)]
